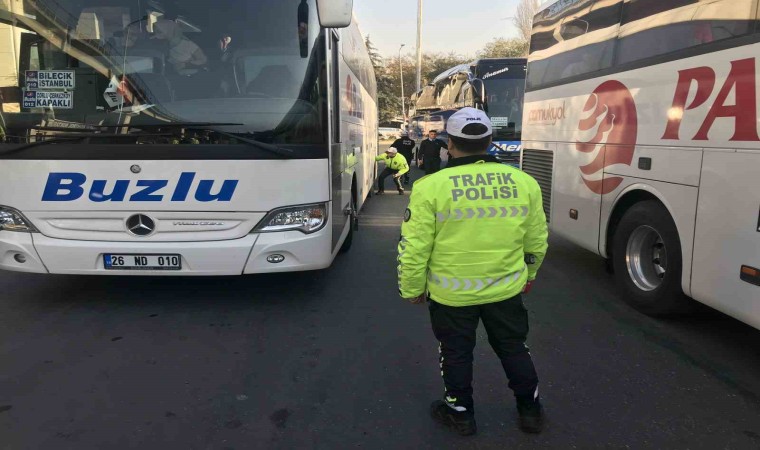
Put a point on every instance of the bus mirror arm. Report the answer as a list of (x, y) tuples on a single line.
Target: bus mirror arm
[(479, 94)]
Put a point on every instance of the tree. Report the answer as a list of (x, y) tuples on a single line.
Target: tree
[(523, 20), (388, 75), (505, 48), (388, 102), (433, 64), (374, 55)]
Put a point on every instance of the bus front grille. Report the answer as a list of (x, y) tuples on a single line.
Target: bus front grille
[(540, 164)]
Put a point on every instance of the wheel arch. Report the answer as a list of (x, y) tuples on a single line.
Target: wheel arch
[(682, 208), (630, 196), (359, 202)]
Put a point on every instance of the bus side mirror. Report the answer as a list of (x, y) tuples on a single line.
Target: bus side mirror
[(335, 13), (479, 91)]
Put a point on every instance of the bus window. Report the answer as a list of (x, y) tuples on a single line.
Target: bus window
[(34, 57), (581, 43), (652, 28)]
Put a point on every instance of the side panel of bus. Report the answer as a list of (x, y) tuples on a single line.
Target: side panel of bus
[(354, 136), (728, 234), (673, 122)]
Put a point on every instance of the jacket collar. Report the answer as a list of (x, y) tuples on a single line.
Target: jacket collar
[(471, 160)]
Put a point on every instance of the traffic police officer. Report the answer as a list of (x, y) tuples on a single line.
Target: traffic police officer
[(473, 238), (395, 165), (405, 147)]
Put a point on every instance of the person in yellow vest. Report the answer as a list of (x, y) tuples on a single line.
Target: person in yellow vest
[(473, 239), (396, 166)]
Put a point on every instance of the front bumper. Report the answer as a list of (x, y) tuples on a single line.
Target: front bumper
[(248, 255)]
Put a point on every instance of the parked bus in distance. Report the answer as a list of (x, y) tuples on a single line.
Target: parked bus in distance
[(199, 137), (495, 85), (641, 127), (388, 133)]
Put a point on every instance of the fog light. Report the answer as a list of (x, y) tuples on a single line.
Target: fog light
[(275, 259), (21, 259)]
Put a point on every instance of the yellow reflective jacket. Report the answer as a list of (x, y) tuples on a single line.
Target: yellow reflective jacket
[(398, 162), (467, 232)]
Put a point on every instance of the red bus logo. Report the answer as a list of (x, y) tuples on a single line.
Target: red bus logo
[(608, 133)]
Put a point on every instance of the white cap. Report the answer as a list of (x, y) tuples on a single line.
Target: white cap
[(469, 123), (392, 150)]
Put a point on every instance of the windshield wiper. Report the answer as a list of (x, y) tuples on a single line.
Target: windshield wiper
[(209, 126), (77, 138), (65, 129), (23, 147), (284, 152), (199, 126), (171, 125)]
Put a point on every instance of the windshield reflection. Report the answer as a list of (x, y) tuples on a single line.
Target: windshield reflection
[(257, 64)]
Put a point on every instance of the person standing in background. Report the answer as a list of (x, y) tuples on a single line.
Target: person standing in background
[(430, 150)]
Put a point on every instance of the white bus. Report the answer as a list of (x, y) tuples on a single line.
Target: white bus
[(193, 137), (641, 126)]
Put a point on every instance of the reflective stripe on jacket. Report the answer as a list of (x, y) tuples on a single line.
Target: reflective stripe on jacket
[(467, 231), (398, 162)]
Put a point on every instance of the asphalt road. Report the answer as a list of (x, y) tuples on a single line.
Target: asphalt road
[(334, 359)]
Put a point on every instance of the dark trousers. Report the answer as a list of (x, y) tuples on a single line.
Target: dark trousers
[(432, 165), (385, 174), (506, 323), (405, 177)]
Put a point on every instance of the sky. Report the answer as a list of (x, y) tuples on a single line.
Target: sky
[(461, 26)]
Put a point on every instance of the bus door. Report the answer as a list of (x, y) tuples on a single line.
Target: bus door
[(341, 194)]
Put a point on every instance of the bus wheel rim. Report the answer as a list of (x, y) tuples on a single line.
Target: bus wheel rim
[(646, 258)]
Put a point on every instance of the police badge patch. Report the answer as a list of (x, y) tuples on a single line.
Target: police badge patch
[(407, 215)]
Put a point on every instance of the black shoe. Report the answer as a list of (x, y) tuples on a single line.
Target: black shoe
[(531, 416), (379, 192), (400, 192), (461, 422)]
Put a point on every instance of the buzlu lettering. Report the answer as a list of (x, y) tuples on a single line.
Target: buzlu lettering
[(71, 186)]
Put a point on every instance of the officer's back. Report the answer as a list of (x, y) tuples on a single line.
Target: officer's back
[(482, 212)]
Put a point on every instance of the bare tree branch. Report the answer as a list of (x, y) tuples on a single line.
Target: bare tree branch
[(523, 20)]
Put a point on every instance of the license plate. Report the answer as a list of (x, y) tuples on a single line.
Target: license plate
[(142, 262)]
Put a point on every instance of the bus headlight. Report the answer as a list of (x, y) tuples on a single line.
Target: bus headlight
[(12, 220), (306, 219)]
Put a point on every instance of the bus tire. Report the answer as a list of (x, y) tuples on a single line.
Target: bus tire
[(371, 192), (647, 260)]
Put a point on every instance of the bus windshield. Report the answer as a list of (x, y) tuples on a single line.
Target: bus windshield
[(505, 89), (255, 67)]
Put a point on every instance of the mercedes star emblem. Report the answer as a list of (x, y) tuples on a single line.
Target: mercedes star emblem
[(141, 225)]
